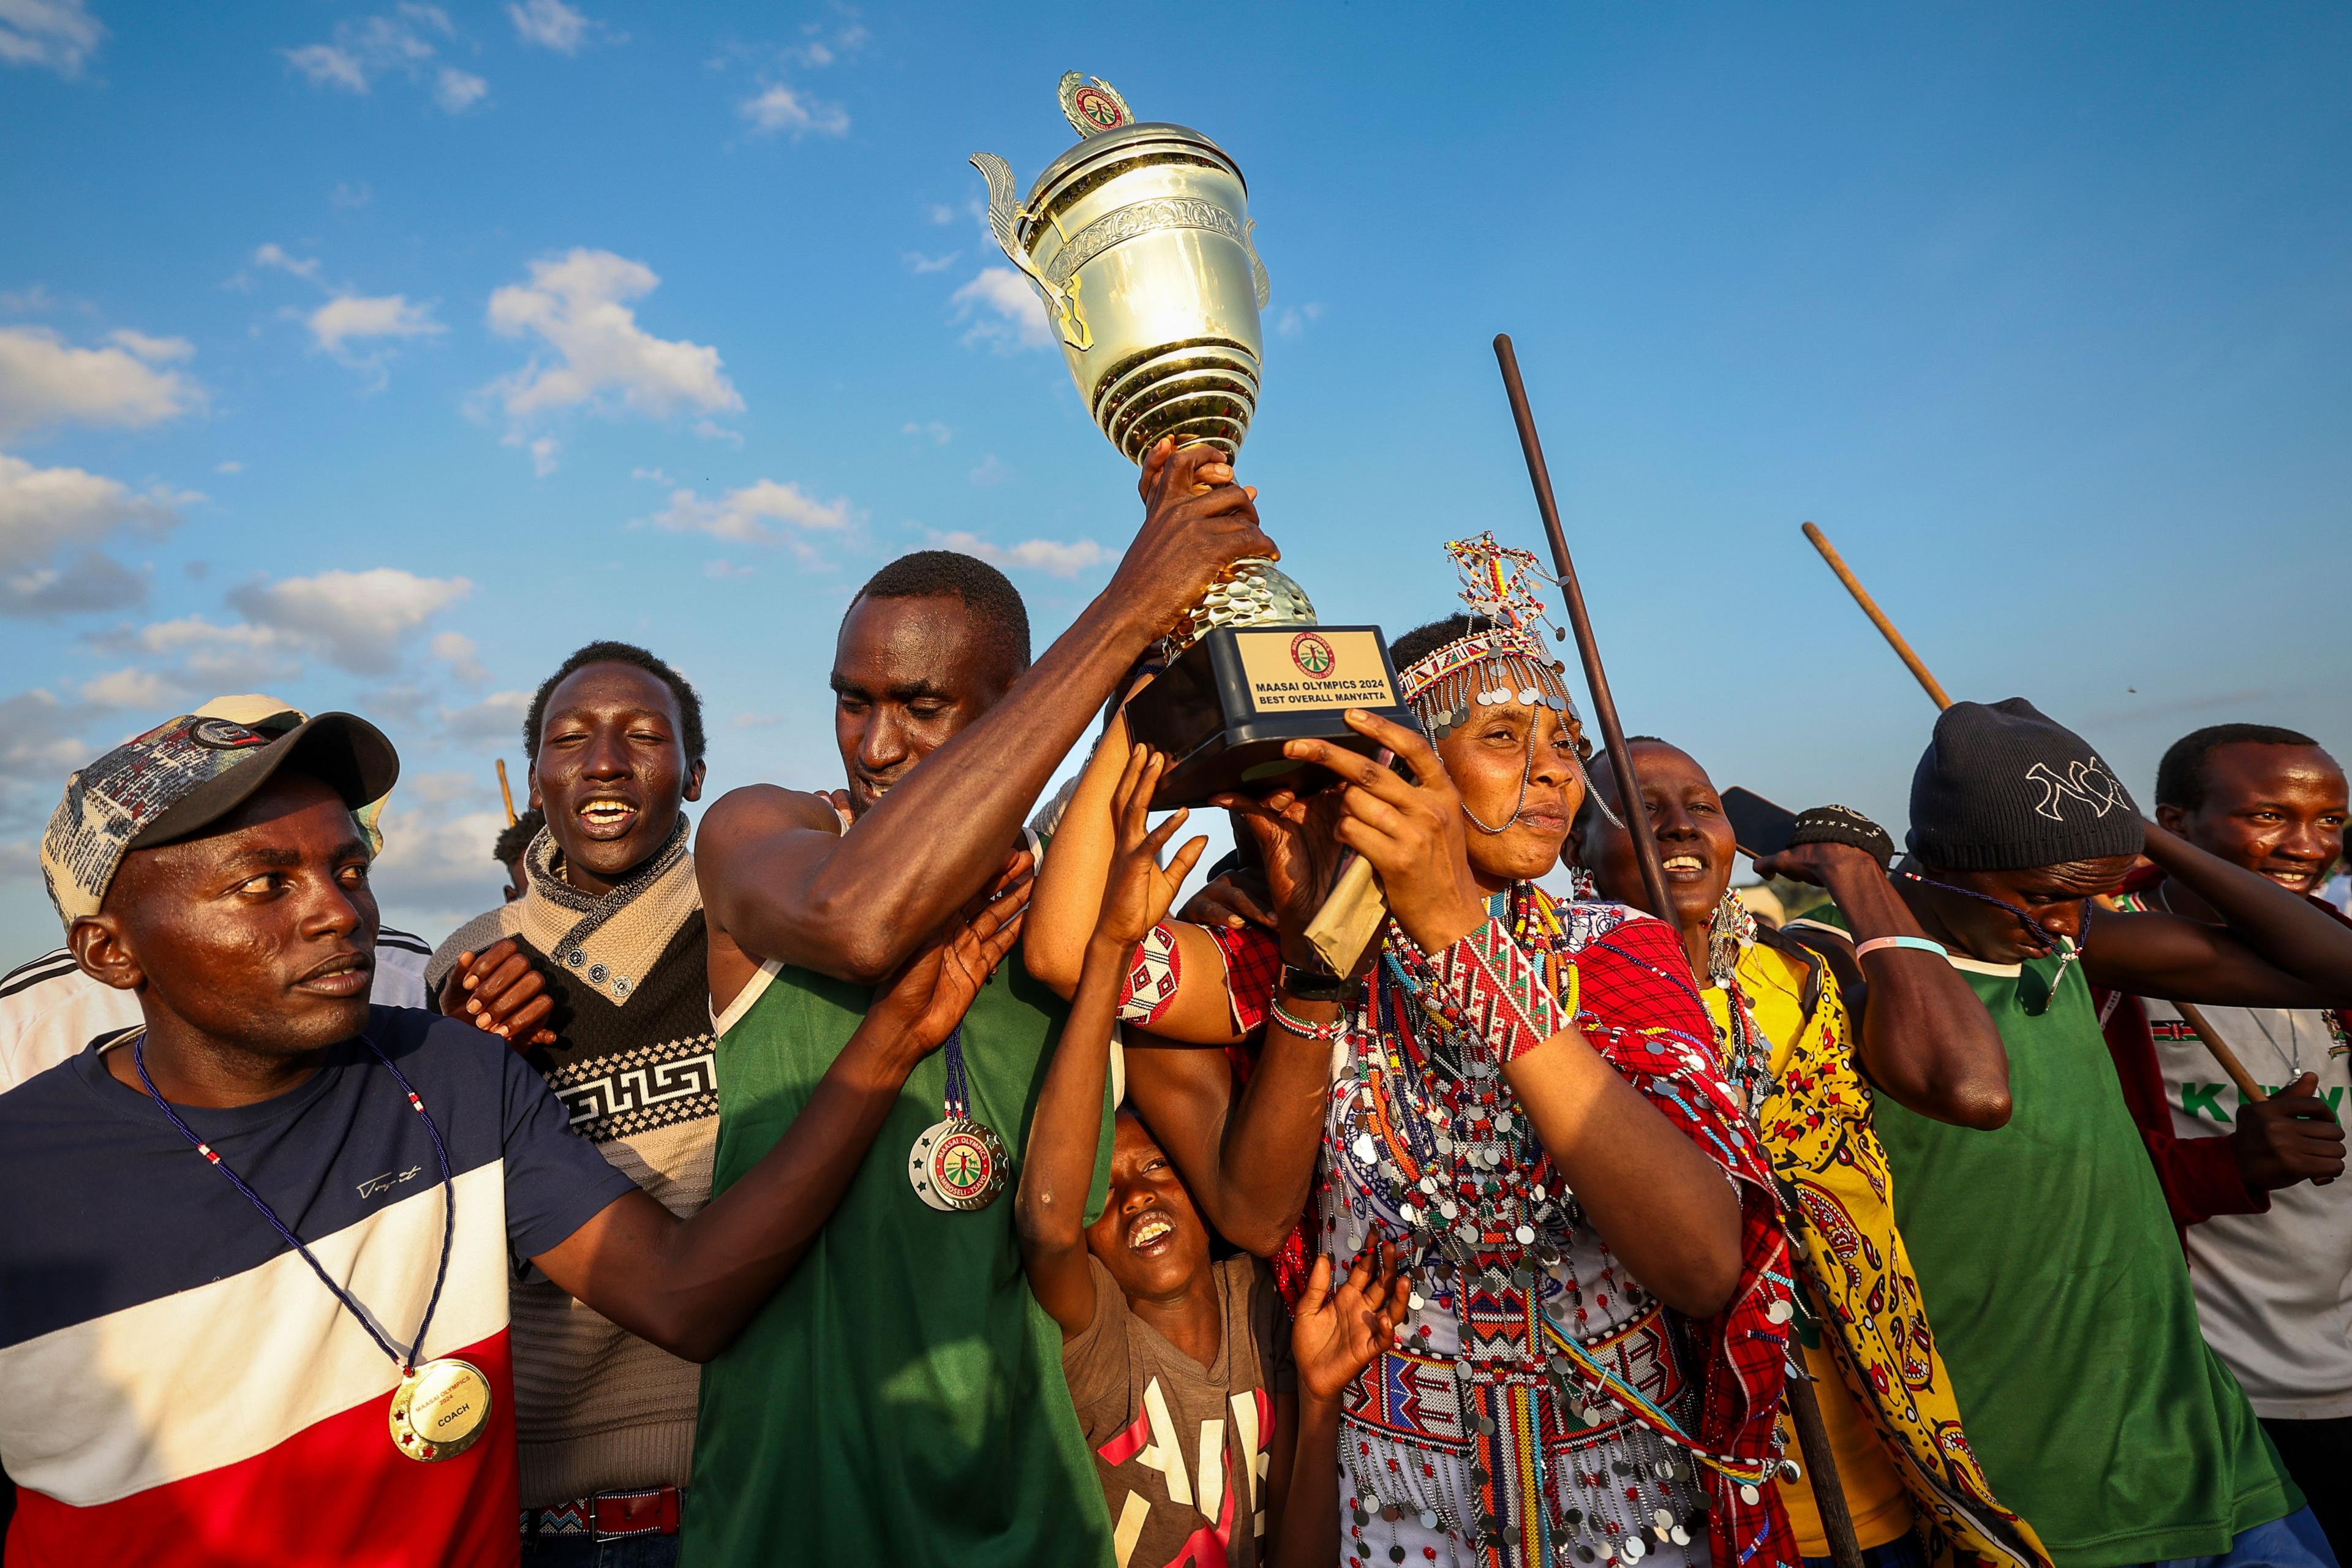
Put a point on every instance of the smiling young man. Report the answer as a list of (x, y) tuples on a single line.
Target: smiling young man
[(2045, 1247), (2270, 1250), (596, 972), (903, 1401), (301, 1356)]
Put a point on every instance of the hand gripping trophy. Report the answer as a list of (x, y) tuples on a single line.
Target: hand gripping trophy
[(1138, 240)]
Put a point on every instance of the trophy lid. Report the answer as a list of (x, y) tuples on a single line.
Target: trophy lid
[(1108, 133)]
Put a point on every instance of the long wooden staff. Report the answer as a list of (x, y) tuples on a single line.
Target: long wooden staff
[(2189, 1012), (1812, 1435), (506, 792), (1877, 616)]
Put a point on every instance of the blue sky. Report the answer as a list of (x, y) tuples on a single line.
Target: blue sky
[(375, 355)]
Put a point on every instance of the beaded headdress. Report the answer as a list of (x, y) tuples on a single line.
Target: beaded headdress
[(1504, 661)]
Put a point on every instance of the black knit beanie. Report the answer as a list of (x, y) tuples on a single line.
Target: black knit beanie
[(2002, 787)]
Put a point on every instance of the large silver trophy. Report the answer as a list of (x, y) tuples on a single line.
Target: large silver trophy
[(1139, 242)]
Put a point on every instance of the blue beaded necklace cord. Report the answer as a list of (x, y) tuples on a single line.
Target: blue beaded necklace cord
[(2069, 951), (407, 1364), (959, 1095)]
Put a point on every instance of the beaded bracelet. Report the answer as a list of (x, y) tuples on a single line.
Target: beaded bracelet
[(1498, 992), (1918, 943), (1322, 1033)]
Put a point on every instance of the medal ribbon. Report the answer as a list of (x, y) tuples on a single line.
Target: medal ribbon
[(958, 1094), (407, 1364)]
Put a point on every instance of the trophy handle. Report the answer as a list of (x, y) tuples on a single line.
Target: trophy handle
[(1003, 212), (1258, 279)]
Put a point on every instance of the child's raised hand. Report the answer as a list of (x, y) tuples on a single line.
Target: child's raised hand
[(1335, 1335), (1137, 894)]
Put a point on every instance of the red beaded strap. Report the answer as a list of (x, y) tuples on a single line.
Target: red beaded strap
[(1152, 972), (1488, 988)]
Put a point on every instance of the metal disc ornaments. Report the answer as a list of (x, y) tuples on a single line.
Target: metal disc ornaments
[(440, 1410), (957, 1165)]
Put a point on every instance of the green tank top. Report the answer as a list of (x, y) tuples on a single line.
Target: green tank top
[(2061, 1300), (901, 1401)]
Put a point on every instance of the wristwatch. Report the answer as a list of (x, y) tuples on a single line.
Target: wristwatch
[(1306, 985)]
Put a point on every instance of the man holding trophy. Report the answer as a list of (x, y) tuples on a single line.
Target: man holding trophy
[(1518, 1098)]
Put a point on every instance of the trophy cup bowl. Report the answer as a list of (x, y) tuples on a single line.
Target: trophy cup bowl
[(1139, 242)]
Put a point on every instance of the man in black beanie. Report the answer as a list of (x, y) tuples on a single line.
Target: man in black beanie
[(2045, 1250)]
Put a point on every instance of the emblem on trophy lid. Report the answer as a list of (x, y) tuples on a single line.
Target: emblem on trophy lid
[(1092, 105)]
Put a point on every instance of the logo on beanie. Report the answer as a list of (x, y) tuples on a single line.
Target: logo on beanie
[(2086, 781)]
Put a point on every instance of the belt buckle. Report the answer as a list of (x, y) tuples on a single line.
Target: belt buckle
[(618, 1515)]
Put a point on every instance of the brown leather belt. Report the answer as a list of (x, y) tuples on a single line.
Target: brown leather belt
[(609, 1516)]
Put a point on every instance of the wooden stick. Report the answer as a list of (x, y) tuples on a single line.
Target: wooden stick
[(506, 792), (2194, 1016), (1812, 1435), (1596, 679), (1877, 616), (1820, 1460)]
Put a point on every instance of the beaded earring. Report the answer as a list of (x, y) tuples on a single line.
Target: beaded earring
[(1729, 929)]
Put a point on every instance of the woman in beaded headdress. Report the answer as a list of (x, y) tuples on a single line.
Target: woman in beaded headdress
[(1521, 1095)]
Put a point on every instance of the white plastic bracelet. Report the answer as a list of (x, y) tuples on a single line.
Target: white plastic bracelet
[(1864, 949)]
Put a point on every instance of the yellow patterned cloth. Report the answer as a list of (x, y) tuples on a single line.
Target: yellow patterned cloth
[(1816, 1131)]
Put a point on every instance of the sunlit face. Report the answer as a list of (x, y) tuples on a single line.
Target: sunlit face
[(611, 773), (261, 932), (906, 675), (1150, 1237), (2278, 811), (1695, 839), (1489, 760)]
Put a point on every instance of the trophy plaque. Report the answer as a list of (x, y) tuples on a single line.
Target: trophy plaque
[(1138, 240)]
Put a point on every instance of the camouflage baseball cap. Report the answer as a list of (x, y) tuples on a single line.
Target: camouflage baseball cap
[(182, 776)]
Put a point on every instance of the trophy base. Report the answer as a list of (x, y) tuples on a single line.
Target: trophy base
[(1224, 707)]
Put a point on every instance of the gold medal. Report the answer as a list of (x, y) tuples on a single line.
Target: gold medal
[(440, 1409)]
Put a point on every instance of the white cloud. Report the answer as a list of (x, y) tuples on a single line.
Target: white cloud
[(60, 35), (44, 380), (211, 657), (749, 721), (495, 719), (457, 650), (1003, 309), (156, 350), (458, 91), (576, 305), (373, 47), (357, 620), (543, 455), (940, 213), (748, 516), (720, 571), (939, 435), (40, 743), (348, 195), (917, 263), (52, 524), (133, 687), (1056, 558), (436, 871), (228, 466), (349, 316), (1296, 319), (991, 471), (275, 255), (778, 108), (551, 24)]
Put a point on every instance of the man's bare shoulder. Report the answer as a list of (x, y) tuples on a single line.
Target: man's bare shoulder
[(757, 812)]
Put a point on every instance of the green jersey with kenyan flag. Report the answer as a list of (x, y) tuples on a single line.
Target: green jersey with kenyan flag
[(2061, 1303), (901, 1401)]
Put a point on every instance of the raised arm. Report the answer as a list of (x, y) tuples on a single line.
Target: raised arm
[(1067, 1128), (2275, 950), (689, 1286), (782, 884), (1924, 1038)]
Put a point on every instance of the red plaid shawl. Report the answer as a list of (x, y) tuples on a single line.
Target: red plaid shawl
[(1631, 988)]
